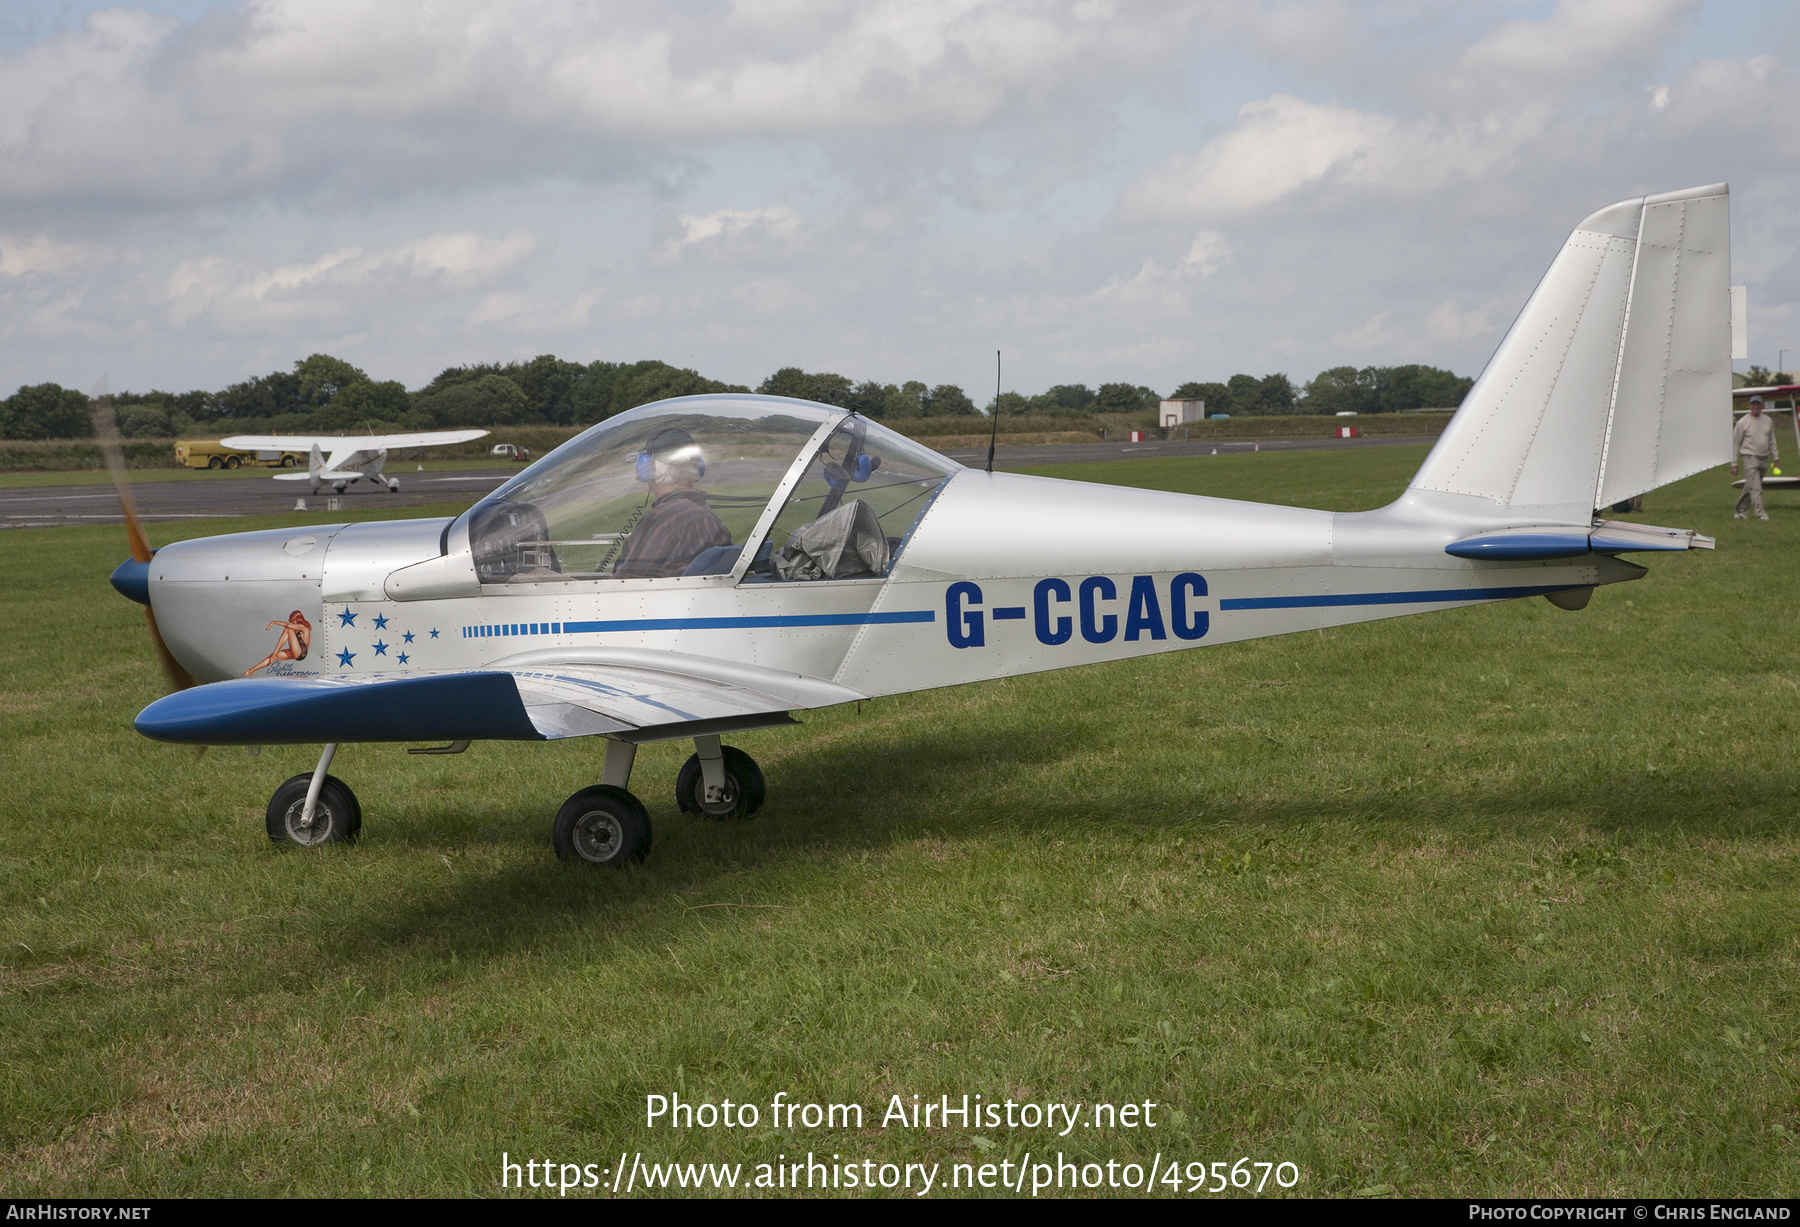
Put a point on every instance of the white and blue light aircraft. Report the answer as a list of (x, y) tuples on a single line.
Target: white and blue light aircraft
[(701, 566)]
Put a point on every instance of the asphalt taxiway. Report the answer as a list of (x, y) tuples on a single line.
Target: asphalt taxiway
[(227, 497)]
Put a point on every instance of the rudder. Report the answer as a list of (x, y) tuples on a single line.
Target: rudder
[(1615, 378)]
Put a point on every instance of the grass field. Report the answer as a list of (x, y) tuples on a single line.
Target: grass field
[(1492, 901)]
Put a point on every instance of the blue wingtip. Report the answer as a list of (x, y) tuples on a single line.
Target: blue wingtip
[(132, 579)]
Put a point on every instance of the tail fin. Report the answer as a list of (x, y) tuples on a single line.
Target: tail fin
[(1616, 377), (316, 464)]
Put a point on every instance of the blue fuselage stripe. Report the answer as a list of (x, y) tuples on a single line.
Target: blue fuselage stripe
[(1434, 596), (754, 623)]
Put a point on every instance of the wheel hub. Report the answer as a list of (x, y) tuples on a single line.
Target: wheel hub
[(727, 799), (308, 832), (598, 836)]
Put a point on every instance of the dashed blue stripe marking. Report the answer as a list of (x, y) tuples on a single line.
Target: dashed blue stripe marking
[(755, 623), (1388, 598)]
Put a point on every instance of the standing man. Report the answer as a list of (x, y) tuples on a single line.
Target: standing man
[(1753, 445)]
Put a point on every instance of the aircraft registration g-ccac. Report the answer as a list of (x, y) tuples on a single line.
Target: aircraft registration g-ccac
[(710, 564)]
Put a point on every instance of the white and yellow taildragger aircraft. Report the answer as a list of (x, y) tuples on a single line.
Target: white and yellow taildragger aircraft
[(340, 461), (711, 564)]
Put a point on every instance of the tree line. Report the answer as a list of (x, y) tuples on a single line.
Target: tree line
[(326, 394)]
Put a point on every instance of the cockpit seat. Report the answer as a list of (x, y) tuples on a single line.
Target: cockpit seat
[(715, 561), (840, 544)]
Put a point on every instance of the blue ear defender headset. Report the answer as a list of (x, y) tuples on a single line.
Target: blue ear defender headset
[(678, 439), (837, 476)]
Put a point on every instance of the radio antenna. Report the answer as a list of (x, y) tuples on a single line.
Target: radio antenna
[(994, 436)]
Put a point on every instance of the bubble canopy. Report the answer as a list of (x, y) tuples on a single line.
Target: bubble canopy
[(693, 486)]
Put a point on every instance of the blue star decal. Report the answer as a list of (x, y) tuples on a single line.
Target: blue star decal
[(346, 618), (380, 648), (434, 634), (403, 658), (407, 637), (345, 657), (380, 622)]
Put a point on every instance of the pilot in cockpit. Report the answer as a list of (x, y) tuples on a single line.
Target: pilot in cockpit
[(678, 526)]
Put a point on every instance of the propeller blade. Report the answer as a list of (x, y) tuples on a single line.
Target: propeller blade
[(106, 429), (179, 678)]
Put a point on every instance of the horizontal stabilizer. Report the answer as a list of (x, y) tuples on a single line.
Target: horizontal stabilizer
[(1543, 542)]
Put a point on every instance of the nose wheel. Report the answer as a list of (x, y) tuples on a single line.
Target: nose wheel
[(336, 816)]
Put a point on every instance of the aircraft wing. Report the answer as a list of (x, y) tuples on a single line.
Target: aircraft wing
[(632, 694), (332, 443)]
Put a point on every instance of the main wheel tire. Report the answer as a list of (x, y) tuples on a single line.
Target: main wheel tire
[(743, 787), (337, 818), (602, 826), (215, 463)]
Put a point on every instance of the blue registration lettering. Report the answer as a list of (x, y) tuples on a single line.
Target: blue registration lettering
[(1145, 611), (1094, 628), (1050, 632), (1179, 589), (964, 626)]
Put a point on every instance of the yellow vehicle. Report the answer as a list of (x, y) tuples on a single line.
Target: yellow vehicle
[(211, 454)]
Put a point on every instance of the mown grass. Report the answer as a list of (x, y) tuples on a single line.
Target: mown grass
[(1493, 901)]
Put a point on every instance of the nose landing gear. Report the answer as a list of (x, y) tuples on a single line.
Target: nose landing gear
[(314, 808)]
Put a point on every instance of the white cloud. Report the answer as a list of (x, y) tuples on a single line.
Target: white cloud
[(41, 254), (1449, 323), (888, 189), (729, 235), (1370, 334), (1284, 148), (1207, 253), (1577, 42), (299, 94), (333, 284)]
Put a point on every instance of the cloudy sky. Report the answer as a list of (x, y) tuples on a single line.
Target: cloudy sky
[(193, 192)]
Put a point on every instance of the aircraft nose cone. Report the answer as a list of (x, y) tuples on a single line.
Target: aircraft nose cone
[(132, 579)]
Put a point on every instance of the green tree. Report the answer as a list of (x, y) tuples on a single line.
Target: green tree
[(1216, 395), (948, 400), (1076, 396), (870, 398), (1008, 403), (145, 421), (1124, 398), (907, 401), (1423, 387), (364, 402), (265, 396), (321, 377), (1338, 390), (491, 400), (824, 387), (46, 411)]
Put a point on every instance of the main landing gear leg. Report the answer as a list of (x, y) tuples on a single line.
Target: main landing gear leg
[(620, 755), (720, 782), (314, 808), (605, 825)]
